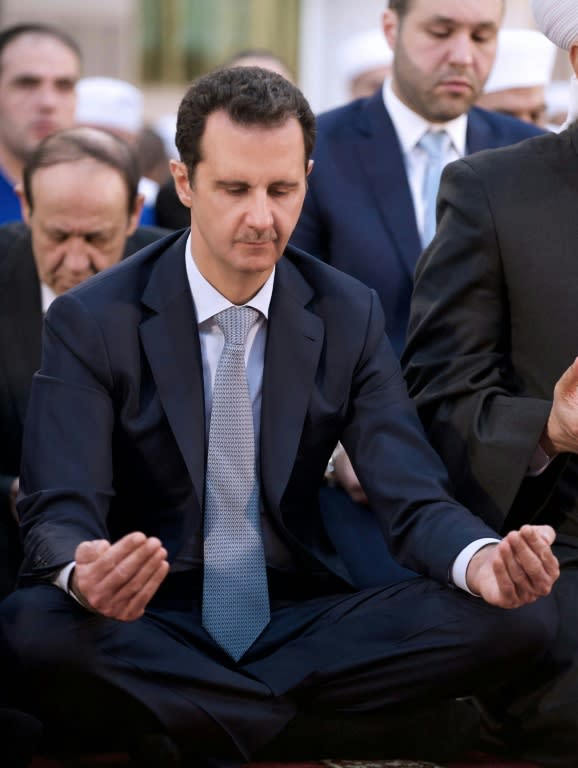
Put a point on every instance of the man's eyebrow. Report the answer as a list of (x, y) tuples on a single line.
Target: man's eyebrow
[(231, 183), (489, 24), (237, 183)]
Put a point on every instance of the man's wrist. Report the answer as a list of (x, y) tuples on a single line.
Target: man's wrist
[(75, 592), (459, 573)]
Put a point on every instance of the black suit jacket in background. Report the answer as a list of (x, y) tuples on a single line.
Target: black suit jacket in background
[(493, 325)]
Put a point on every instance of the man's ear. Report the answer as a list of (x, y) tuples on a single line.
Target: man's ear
[(390, 26), (134, 217), (574, 57), (182, 185), (24, 207), (309, 167)]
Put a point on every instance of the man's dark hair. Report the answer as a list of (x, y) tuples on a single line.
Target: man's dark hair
[(9, 34), (401, 7), (249, 96), (74, 144)]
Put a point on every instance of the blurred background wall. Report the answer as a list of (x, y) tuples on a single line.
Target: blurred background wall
[(162, 44)]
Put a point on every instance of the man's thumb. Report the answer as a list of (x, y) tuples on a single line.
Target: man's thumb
[(88, 551)]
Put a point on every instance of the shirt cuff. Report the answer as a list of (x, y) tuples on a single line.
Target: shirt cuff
[(62, 578), (539, 462), (462, 561)]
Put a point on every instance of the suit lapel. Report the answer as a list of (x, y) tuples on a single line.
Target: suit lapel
[(171, 343), (294, 341), (478, 133), (382, 161)]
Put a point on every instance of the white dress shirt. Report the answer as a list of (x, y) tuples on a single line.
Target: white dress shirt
[(47, 296)]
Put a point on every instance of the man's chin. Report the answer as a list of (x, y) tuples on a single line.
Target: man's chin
[(449, 108)]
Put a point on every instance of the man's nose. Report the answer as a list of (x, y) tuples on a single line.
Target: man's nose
[(48, 96), (259, 214), (77, 256), (462, 51)]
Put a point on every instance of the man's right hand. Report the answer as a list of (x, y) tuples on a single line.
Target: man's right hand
[(561, 432), (118, 580)]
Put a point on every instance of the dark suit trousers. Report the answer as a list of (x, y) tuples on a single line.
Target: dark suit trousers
[(413, 642)]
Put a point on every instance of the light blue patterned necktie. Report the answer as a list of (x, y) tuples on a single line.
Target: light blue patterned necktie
[(434, 143), (235, 594)]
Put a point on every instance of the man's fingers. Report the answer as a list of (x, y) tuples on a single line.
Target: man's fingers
[(539, 553), (155, 568), (568, 382), (135, 606), (103, 557), (506, 593), (530, 562), (120, 566), (545, 531), (110, 594)]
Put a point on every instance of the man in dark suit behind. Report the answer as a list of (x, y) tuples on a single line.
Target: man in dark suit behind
[(491, 361), (113, 622), (363, 211), (81, 207)]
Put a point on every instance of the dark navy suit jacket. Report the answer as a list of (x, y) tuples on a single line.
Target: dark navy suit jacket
[(115, 430), (358, 213)]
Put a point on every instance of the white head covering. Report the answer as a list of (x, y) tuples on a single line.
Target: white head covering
[(109, 103), (166, 126), (524, 58), (558, 20), (362, 53), (557, 97)]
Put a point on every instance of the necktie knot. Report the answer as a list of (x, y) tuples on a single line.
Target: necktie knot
[(236, 322), (434, 144)]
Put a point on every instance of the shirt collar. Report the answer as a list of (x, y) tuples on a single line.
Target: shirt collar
[(410, 127), (208, 301), (47, 296)]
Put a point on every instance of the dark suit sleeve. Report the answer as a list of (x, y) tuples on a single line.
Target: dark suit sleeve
[(457, 360), (67, 440), (404, 479)]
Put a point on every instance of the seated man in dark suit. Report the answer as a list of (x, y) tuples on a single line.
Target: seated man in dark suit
[(80, 204), (178, 575), (491, 362)]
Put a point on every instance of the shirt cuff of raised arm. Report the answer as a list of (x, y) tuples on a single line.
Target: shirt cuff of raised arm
[(462, 561), (62, 579)]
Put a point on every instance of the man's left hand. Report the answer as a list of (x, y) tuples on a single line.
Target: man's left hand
[(516, 571)]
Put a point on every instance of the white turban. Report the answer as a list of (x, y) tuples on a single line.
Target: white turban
[(524, 58), (558, 20)]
